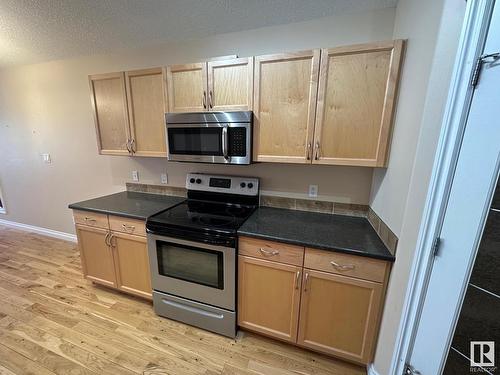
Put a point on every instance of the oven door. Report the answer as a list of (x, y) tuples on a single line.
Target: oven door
[(228, 143), (193, 270)]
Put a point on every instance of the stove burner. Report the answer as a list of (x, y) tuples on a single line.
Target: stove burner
[(216, 221)]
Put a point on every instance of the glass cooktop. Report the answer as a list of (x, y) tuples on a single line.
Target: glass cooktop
[(204, 216)]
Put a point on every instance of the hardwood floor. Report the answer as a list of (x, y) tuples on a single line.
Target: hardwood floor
[(52, 321)]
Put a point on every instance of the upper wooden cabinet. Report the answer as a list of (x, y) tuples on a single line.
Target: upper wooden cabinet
[(356, 95), (187, 87), (129, 112), (284, 106), (230, 85), (109, 101), (146, 108), (220, 85)]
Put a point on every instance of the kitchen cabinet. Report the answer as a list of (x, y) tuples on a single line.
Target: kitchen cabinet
[(187, 87), (329, 302), (230, 84), (268, 297), (146, 108), (129, 112), (97, 258), (356, 101), (218, 85), (284, 106), (130, 254), (111, 255), (339, 315), (109, 102)]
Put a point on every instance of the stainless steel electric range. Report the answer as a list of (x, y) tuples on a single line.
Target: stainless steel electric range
[(192, 251)]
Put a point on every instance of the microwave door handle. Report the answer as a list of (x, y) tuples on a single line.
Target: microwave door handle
[(225, 141)]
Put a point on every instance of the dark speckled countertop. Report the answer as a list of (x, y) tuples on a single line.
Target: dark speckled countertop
[(129, 204), (346, 234)]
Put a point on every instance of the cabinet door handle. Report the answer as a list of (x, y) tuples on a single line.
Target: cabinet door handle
[(111, 240), (128, 228), (106, 239), (305, 281), (308, 155), (132, 146), (297, 278), (340, 267), (204, 99), (269, 253), (316, 157), (128, 146), (210, 99)]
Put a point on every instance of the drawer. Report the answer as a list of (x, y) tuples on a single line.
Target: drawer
[(344, 264), (92, 219), (271, 250), (126, 225)]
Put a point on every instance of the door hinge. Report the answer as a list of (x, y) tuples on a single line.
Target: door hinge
[(410, 370), (436, 245), (489, 58)]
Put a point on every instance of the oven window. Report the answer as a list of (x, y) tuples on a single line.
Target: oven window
[(195, 141), (199, 266)]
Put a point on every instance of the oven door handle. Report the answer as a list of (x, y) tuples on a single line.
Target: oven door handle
[(225, 141)]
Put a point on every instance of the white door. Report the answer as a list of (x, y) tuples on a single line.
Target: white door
[(470, 195)]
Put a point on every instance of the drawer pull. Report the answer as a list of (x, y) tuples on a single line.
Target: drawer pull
[(339, 267), (268, 253), (128, 228), (89, 219)]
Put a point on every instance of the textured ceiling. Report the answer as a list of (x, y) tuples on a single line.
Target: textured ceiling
[(40, 30)]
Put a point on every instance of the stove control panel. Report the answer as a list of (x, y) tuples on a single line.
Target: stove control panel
[(223, 184)]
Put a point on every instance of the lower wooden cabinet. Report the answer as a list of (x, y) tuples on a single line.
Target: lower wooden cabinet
[(115, 259), (269, 297), (339, 315), (97, 257), (131, 263), (331, 303)]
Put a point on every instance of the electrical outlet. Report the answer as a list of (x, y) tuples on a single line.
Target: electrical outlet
[(46, 158), (313, 191), (164, 178), (135, 175)]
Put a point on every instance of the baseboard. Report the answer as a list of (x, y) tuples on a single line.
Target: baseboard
[(39, 230), (371, 370)]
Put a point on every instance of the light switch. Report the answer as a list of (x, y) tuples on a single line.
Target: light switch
[(46, 158)]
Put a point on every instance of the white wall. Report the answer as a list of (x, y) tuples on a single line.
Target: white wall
[(412, 175), (46, 108)]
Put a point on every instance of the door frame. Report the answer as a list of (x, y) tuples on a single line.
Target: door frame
[(471, 44)]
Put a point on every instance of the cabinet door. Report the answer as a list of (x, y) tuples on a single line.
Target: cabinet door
[(356, 95), (97, 258), (109, 102), (187, 87), (268, 297), (131, 264), (339, 315), (230, 85), (146, 107), (284, 106)]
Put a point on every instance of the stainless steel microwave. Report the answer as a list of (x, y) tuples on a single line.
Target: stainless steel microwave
[(210, 137)]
